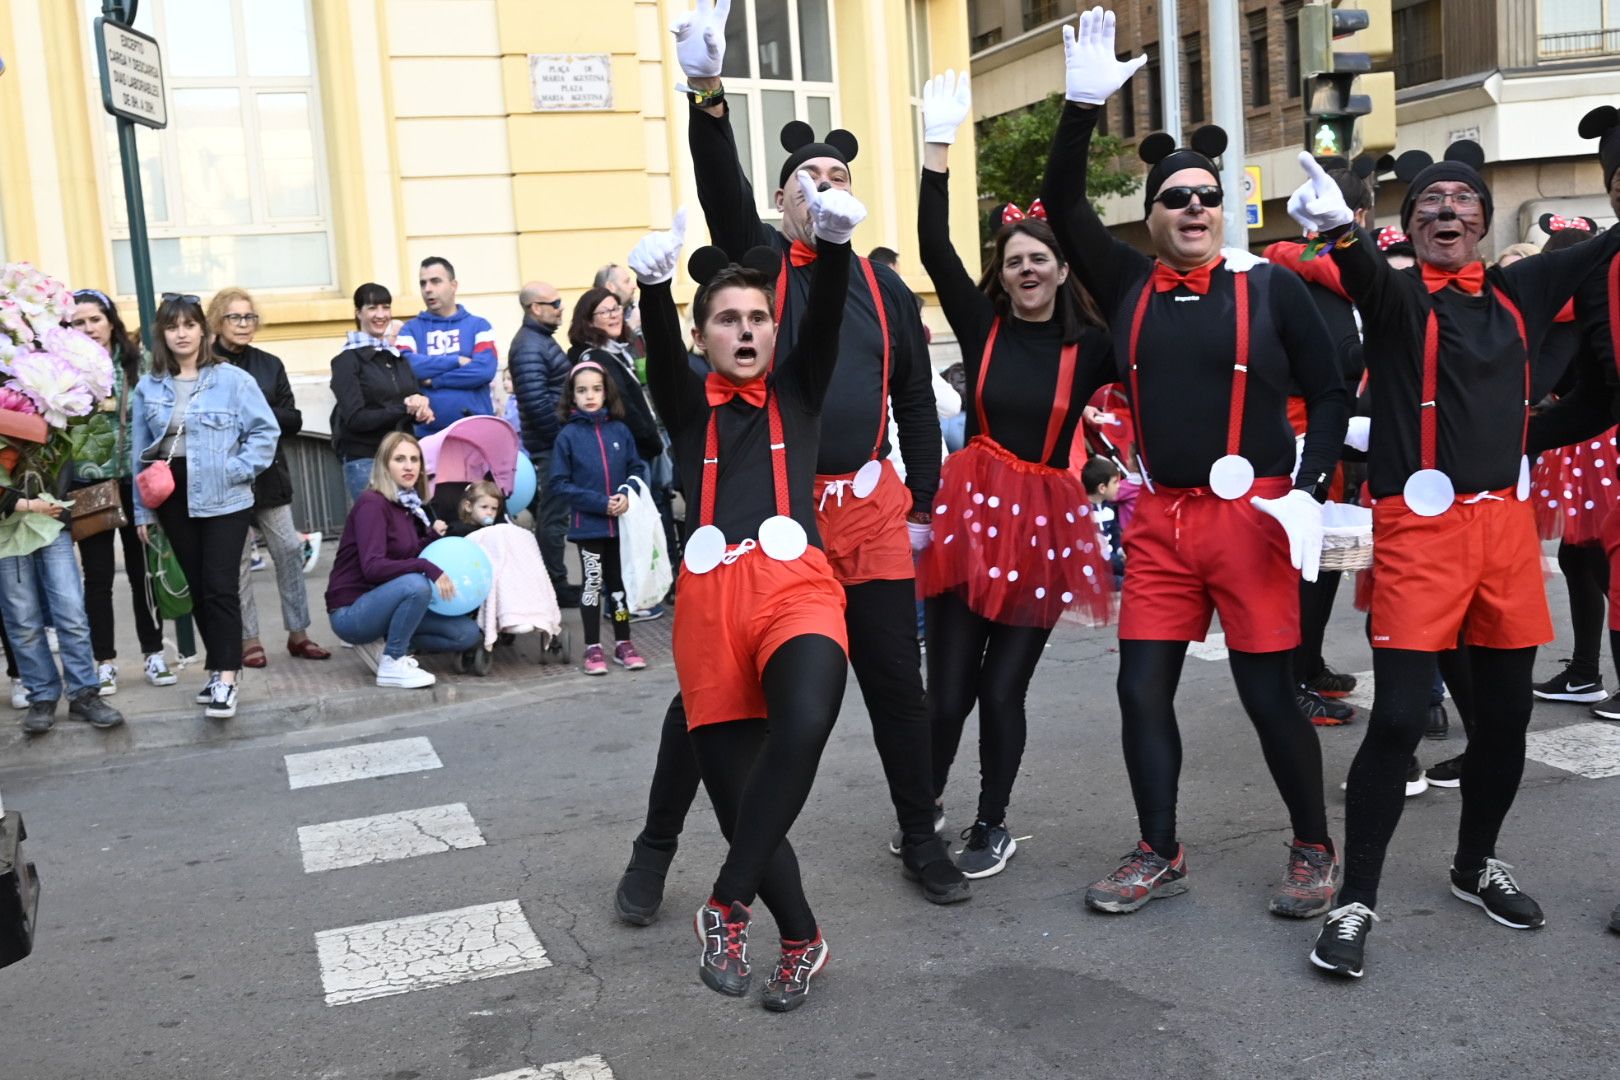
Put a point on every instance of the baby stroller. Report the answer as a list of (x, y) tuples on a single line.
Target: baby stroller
[(521, 600)]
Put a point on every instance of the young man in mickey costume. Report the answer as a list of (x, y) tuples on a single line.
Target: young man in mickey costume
[(1452, 350)]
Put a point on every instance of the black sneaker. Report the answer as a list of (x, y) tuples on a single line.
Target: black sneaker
[(1322, 712), (1142, 875), (1439, 726), (1342, 944), (791, 980), (1331, 684), (40, 718), (89, 707), (987, 850), (1446, 774), (724, 933), (925, 860), (206, 694), (1417, 781), (1608, 708), (898, 840), (222, 701), (1572, 685), (1494, 889), (641, 890)]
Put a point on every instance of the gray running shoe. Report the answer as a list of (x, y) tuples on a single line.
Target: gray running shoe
[(987, 850)]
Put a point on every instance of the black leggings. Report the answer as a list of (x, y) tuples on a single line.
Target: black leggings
[(209, 550), (1315, 608), (1492, 764), (974, 660), (96, 553), (1586, 576), (1148, 674), (601, 583), (759, 774)]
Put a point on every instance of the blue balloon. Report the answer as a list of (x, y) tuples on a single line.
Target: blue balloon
[(467, 566), (524, 485)]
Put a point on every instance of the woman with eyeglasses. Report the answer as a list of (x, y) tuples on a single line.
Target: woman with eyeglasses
[(211, 423), (375, 389), (595, 333), (234, 320), (96, 315)]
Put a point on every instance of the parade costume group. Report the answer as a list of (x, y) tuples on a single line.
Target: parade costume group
[(1240, 375)]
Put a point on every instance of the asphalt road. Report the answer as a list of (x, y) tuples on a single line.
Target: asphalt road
[(179, 924)]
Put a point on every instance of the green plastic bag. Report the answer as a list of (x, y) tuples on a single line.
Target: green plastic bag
[(165, 581)]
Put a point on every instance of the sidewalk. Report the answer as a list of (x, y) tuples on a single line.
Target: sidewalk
[(290, 694)]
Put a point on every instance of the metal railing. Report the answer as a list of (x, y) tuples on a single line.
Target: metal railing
[(1039, 12), (983, 41), (1578, 43)]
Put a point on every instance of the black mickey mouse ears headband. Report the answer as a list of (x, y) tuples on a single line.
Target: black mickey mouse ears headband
[(1165, 159), (1464, 158), (1603, 124), (707, 263), (799, 140)]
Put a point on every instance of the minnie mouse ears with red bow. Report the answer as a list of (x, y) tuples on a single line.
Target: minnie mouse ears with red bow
[(1164, 159), (1464, 158), (1551, 223), (799, 140), (1010, 214), (1603, 124)]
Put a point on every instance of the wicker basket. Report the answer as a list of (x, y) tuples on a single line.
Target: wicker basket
[(1347, 540)]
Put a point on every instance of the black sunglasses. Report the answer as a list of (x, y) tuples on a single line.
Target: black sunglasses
[(169, 297), (557, 303), (1177, 198)]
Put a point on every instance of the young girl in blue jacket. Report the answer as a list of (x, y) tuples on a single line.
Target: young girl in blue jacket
[(593, 460)]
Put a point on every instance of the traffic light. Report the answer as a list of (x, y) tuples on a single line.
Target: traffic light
[(1333, 106)]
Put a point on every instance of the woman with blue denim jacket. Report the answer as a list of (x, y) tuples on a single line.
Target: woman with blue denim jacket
[(210, 421)]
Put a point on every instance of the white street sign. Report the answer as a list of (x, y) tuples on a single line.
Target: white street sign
[(131, 74)]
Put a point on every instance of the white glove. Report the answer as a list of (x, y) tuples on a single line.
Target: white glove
[(1239, 260), (657, 254), (921, 535), (1091, 70), (1318, 204), (834, 213), (700, 39), (1301, 518), (1356, 435), (946, 102)]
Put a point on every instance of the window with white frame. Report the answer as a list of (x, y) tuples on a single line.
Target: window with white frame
[(779, 67), (235, 186)]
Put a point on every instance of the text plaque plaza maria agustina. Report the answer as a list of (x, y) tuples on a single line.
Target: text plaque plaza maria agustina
[(571, 82)]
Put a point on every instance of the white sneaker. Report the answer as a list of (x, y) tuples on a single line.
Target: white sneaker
[(157, 671), (107, 676), (19, 694), (371, 653), (222, 701), (403, 673), (312, 550)]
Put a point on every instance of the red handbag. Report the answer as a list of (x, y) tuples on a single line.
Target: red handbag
[(156, 481)]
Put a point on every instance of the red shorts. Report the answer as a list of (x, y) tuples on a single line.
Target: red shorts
[(866, 539), (1475, 569), (730, 622), (1189, 553)]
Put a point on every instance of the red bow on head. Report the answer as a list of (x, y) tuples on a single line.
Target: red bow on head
[(1389, 236), (1470, 279), (720, 390), (1010, 213), (1559, 224), (1166, 278)]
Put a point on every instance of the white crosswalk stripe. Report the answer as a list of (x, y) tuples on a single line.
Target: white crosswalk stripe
[(403, 834), (585, 1068), (1213, 647), (361, 762), (1590, 750), (443, 948)]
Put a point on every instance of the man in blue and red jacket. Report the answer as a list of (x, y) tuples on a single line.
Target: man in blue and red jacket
[(451, 351)]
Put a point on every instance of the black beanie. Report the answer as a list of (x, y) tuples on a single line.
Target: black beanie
[(1461, 165), (799, 140), (1603, 124), (1165, 159)]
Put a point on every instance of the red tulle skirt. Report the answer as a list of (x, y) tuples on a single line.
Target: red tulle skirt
[(1573, 490), (1015, 540)]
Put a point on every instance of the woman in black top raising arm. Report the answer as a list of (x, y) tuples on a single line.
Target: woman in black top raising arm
[(1013, 542)]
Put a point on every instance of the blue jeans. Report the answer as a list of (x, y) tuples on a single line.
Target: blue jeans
[(398, 610), (356, 475), (27, 583)]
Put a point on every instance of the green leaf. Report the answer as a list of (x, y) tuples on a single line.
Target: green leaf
[(26, 533)]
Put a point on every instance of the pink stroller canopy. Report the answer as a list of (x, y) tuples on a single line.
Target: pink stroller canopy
[(471, 447)]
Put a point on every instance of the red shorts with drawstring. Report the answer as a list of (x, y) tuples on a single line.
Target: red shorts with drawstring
[(1190, 553), (865, 539), (1477, 566), (730, 622)]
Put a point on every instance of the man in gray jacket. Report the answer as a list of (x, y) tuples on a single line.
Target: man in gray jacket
[(539, 368)]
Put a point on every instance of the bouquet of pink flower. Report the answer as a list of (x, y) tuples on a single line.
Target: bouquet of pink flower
[(52, 382)]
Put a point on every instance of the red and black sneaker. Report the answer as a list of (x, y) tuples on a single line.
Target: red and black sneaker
[(724, 933), (791, 981), (1330, 683), (1310, 882), (1143, 875)]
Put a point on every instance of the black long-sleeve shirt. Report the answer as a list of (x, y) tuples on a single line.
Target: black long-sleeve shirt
[(854, 418), (1480, 392), (1592, 404), (745, 486), (1022, 385), (1189, 343)]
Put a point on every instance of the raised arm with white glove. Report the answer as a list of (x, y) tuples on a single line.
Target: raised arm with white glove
[(1318, 204), (700, 40), (1300, 515), (1091, 70), (656, 255), (834, 212), (946, 102)]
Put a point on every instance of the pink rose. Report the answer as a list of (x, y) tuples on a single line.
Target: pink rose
[(13, 401)]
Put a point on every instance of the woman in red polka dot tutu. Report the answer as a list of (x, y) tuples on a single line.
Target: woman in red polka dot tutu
[(1012, 543)]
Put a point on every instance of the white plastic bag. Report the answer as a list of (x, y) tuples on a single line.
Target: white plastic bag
[(643, 550)]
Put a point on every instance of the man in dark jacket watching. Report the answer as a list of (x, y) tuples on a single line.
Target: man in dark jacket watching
[(539, 367)]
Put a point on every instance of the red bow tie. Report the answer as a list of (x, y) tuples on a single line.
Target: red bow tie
[(721, 390), (801, 253), (1470, 279), (1166, 278)]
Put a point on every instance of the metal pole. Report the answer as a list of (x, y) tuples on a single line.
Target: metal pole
[(140, 252), (1170, 66), (1226, 100)]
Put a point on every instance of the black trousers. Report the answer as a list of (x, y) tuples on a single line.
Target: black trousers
[(972, 660), (1586, 575), (1148, 674), (759, 773), (1315, 608), (96, 555), (601, 585), (1492, 764), (209, 550)]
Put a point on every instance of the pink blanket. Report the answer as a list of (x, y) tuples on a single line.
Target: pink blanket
[(520, 592)]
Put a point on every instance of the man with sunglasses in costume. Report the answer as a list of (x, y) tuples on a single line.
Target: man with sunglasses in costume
[(1209, 343)]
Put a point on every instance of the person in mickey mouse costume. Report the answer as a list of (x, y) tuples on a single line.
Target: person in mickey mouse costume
[(1454, 354), (1208, 343), (870, 521), (760, 645)]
